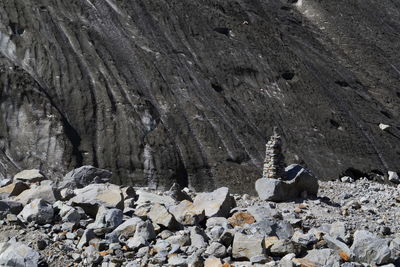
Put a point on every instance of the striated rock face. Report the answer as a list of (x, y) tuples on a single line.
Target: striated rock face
[(188, 91)]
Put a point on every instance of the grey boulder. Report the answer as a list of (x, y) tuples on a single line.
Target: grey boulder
[(323, 257), (45, 192), (69, 214), (18, 255), (186, 213), (143, 234), (215, 204), (369, 248), (267, 227), (38, 211), (298, 180), (84, 176), (159, 214), (247, 246), (107, 218), (126, 229), (95, 195)]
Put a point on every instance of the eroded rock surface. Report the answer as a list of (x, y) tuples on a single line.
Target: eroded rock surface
[(188, 92)]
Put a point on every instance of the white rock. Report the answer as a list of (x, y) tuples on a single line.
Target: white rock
[(394, 177), (29, 176), (384, 127), (346, 179)]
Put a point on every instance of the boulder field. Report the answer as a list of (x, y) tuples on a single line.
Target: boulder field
[(85, 220)]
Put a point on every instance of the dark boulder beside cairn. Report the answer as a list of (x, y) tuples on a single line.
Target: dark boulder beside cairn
[(280, 183)]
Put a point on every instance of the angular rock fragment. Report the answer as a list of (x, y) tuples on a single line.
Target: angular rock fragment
[(178, 194), (266, 227), (126, 229), (261, 212), (31, 176), (18, 254), (186, 213), (216, 249), (304, 239), (38, 211), (87, 235), (84, 176), (247, 246), (216, 204), (145, 197), (108, 219), (69, 214), (341, 248), (320, 257), (284, 246), (95, 195), (369, 248), (45, 192), (143, 234), (198, 238), (159, 214)]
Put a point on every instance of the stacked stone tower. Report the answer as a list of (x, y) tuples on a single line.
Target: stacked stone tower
[(274, 163)]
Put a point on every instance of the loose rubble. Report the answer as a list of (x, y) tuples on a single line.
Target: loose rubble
[(90, 222)]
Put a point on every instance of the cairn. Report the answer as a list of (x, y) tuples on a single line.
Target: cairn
[(274, 163)]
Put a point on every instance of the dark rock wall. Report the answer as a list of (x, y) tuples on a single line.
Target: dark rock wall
[(189, 91)]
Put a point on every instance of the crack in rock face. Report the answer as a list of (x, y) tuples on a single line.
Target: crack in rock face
[(163, 92)]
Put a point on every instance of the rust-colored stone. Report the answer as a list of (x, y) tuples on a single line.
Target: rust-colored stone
[(344, 255), (303, 206), (241, 218)]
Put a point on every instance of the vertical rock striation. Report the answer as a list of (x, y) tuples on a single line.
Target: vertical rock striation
[(163, 92)]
